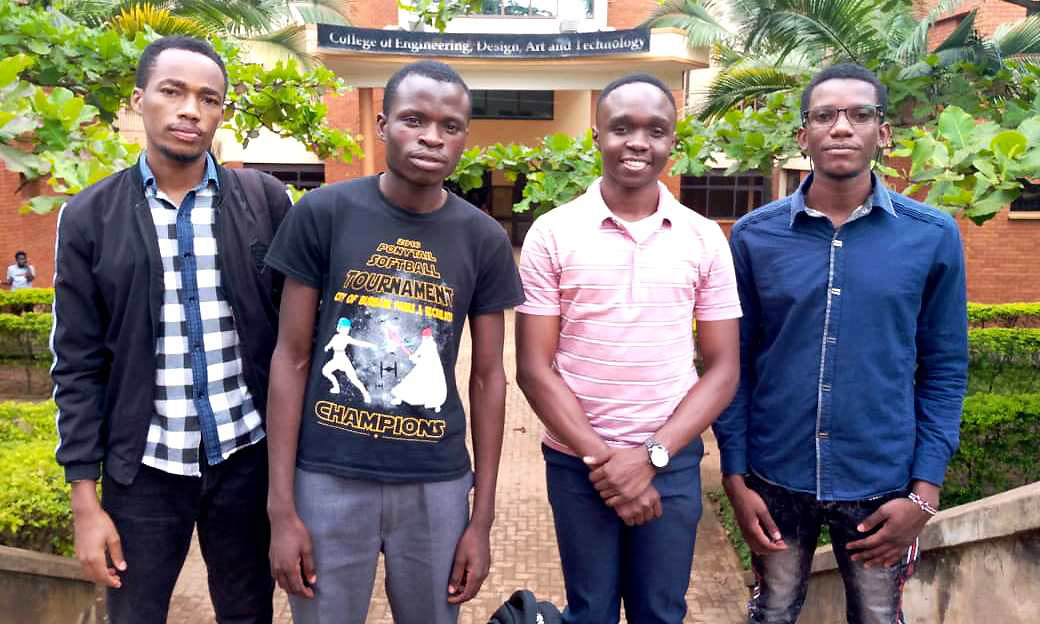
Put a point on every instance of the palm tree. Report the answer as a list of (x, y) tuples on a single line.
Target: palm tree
[(774, 45), (268, 29)]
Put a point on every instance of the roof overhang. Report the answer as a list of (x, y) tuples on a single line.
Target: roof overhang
[(668, 58)]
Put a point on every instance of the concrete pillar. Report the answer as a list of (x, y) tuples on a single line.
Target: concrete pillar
[(366, 109)]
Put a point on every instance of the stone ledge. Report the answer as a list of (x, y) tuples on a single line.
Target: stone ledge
[(993, 517), (32, 562)]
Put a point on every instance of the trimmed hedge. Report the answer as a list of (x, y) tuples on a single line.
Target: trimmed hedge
[(1000, 435), (1006, 314), (1004, 360), (25, 299), (34, 499)]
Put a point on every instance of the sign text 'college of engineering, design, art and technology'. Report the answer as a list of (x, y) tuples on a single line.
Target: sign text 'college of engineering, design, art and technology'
[(484, 45)]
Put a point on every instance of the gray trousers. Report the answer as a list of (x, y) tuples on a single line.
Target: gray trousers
[(415, 525)]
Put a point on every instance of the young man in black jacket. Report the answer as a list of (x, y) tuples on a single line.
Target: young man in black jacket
[(164, 325)]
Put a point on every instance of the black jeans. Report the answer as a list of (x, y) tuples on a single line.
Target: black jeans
[(872, 595), (155, 517)]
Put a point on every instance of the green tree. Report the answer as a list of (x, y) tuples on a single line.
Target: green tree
[(774, 46), (62, 85), (269, 29)]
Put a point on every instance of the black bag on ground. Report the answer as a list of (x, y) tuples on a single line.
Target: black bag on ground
[(523, 608)]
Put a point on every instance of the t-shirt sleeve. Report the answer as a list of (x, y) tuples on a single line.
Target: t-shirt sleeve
[(300, 247), (717, 298), (498, 284), (540, 273)]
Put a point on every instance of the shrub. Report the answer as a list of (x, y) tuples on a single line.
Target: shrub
[(999, 437), (34, 500), (1004, 360), (1005, 314), (17, 301)]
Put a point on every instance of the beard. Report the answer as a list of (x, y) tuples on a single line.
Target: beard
[(180, 157)]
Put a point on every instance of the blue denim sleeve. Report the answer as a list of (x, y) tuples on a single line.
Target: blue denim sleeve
[(942, 360), (731, 426)]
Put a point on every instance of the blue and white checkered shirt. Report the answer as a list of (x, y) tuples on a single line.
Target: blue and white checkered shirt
[(201, 397)]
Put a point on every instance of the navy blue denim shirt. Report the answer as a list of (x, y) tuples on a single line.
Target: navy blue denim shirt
[(854, 347)]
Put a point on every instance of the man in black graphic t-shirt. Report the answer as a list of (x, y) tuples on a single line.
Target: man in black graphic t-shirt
[(367, 433)]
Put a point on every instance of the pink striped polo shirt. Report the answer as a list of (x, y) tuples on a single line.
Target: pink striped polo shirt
[(626, 308)]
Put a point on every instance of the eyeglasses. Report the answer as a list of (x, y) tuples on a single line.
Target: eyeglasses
[(827, 116)]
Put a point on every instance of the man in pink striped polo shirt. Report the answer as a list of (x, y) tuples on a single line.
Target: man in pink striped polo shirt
[(605, 356)]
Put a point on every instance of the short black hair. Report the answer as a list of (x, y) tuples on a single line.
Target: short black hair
[(20, 253), (436, 70), (846, 71), (633, 78), (176, 42)]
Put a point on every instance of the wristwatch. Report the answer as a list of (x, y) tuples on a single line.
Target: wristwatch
[(658, 453)]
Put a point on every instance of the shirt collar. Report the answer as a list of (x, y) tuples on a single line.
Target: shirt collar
[(210, 175), (879, 197), (598, 210)]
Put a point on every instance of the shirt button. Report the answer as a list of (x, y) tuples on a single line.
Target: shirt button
[(823, 434), (196, 346), (825, 387), (835, 291), (199, 394), (187, 254), (191, 299), (837, 243)]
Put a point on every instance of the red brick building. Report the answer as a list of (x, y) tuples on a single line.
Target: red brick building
[(537, 96)]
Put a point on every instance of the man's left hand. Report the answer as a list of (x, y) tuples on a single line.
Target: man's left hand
[(624, 475), (901, 521), (472, 563)]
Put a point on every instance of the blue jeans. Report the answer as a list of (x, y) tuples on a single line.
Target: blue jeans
[(605, 562), (155, 516), (872, 595)]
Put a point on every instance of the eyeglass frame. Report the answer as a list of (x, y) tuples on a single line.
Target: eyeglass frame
[(879, 110)]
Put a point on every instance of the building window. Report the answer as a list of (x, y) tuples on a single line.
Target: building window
[(1029, 200), (512, 104), (304, 177), (722, 197), (528, 8)]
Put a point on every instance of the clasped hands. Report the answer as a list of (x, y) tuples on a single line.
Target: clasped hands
[(622, 477)]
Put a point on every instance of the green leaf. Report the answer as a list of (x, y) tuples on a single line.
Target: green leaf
[(1008, 143), (44, 204), (12, 66), (956, 126), (990, 204), (18, 161)]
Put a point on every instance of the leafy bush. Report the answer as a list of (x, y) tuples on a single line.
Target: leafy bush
[(25, 300), (999, 437), (1004, 360), (1004, 314), (34, 500)]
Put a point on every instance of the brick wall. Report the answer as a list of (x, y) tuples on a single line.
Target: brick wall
[(991, 14), (373, 13), (1001, 259), (629, 13), (31, 233)]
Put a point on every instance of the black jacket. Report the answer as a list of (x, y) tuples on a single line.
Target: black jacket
[(108, 289)]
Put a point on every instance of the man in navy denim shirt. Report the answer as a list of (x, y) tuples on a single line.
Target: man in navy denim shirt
[(853, 365)]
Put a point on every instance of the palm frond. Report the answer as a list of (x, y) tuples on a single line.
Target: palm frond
[(962, 35), (694, 18), (322, 11), (133, 20), (237, 17), (742, 87), (281, 45), (915, 44), (836, 29), (1019, 39)]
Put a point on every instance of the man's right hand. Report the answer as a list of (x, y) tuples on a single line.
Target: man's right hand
[(292, 556), (641, 509), (756, 524), (97, 541)]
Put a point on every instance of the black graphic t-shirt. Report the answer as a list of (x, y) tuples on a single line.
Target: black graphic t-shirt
[(396, 288)]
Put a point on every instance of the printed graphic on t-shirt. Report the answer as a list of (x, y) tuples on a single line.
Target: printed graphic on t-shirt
[(393, 325)]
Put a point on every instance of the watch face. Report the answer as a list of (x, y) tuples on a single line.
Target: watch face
[(659, 456)]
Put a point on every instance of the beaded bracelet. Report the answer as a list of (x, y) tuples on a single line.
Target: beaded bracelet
[(923, 504)]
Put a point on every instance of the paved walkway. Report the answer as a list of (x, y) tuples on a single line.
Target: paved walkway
[(523, 543)]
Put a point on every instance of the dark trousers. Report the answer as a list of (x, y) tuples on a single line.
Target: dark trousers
[(155, 517), (872, 595), (605, 562)]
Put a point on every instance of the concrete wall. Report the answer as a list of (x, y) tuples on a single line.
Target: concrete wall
[(980, 562), (45, 589)]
